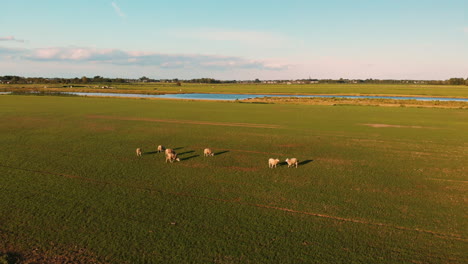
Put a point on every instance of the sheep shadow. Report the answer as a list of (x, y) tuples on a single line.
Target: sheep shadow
[(178, 148), (301, 163), (221, 152), (149, 152), (189, 157), (305, 162), (186, 152)]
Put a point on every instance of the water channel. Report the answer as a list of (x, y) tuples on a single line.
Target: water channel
[(231, 97)]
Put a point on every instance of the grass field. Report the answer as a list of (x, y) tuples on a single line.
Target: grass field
[(375, 184), (338, 89)]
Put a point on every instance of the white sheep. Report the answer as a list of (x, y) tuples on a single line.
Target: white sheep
[(167, 151), (208, 152), (272, 162), (171, 157), (291, 162), (138, 152), (161, 148)]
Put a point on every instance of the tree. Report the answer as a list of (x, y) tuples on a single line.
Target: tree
[(144, 79), (84, 79), (97, 78), (456, 81)]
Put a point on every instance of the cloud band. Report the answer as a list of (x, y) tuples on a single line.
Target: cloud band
[(11, 38), (127, 58)]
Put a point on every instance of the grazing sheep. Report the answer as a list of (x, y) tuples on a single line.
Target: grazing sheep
[(167, 151), (171, 157), (161, 148), (138, 152), (208, 152), (292, 162), (272, 162)]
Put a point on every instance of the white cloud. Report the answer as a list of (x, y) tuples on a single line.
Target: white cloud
[(126, 58), (117, 10), (11, 38)]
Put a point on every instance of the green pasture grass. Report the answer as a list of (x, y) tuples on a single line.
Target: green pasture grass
[(376, 185), (338, 89)]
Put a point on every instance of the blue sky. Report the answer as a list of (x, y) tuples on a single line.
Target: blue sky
[(240, 39)]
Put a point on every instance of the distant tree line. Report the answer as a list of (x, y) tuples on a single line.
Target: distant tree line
[(11, 79), (451, 81), (25, 80)]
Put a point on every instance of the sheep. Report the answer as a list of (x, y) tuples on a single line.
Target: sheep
[(138, 152), (208, 152), (272, 162), (291, 162), (167, 151), (161, 148), (171, 157)]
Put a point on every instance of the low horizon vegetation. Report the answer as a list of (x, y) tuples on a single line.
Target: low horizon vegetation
[(332, 101), (294, 89), (335, 101)]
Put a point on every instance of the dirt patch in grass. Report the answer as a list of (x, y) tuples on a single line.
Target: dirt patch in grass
[(238, 150), (368, 140), (335, 161), (418, 153), (193, 165), (25, 122), (291, 145), (200, 165), (95, 127), (240, 168), (252, 151), (397, 126), (451, 171), (249, 134), (177, 121), (362, 221), (447, 180), (295, 183)]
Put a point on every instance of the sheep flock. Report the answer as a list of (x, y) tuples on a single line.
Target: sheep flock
[(171, 156)]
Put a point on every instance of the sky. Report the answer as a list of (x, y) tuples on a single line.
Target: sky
[(235, 40)]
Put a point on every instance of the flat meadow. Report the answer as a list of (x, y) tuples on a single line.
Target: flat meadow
[(374, 184)]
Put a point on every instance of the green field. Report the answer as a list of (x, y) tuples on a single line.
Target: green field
[(375, 184), (338, 89)]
